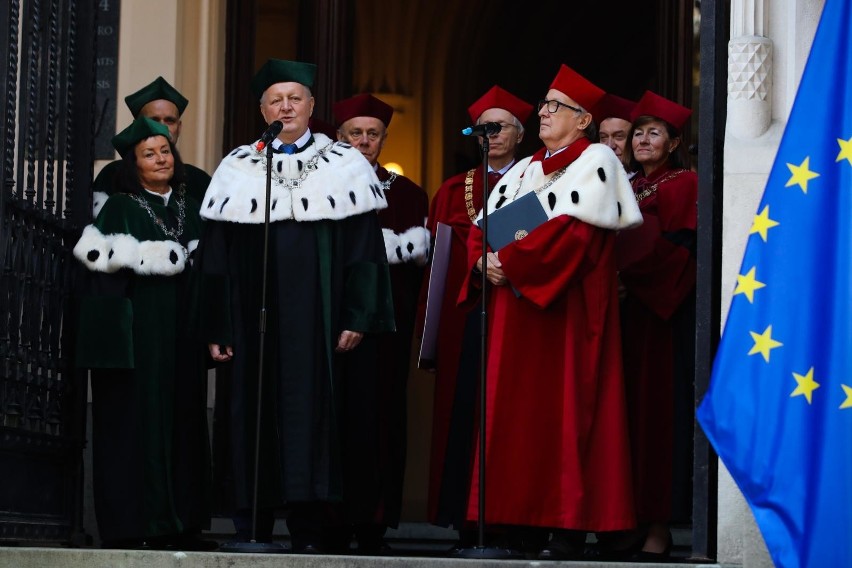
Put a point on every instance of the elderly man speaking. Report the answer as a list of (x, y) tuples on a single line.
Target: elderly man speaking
[(327, 286)]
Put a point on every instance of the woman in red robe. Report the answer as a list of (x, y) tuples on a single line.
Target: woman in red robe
[(556, 446), (657, 269)]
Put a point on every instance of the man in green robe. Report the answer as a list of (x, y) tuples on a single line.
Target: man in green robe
[(327, 286), (162, 103)]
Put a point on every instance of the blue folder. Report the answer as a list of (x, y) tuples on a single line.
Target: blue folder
[(514, 221)]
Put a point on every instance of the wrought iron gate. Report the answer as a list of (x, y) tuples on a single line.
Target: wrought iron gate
[(46, 87)]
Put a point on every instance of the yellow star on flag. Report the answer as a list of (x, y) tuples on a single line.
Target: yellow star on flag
[(845, 150), (747, 284), (807, 385), (801, 175), (848, 402), (762, 223), (763, 343)]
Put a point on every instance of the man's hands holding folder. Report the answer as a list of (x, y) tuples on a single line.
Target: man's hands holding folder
[(494, 270)]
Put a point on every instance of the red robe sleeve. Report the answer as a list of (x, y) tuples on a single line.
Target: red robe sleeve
[(557, 255), (665, 275)]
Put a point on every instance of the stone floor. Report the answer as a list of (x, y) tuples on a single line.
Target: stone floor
[(93, 558)]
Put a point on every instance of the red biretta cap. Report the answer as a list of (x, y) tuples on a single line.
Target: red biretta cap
[(583, 91), (652, 104), (498, 97), (613, 106), (362, 105)]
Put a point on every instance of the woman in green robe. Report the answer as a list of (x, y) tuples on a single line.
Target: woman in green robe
[(148, 377)]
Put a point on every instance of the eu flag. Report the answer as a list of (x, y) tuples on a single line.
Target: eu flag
[(779, 407)]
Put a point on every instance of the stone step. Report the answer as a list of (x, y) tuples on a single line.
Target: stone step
[(12, 557)]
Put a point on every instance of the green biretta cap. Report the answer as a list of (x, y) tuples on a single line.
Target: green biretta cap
[(159, 88), (140, 129), (281, 71)]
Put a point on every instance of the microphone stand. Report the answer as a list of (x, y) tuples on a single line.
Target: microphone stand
[(480, 550), (253, 546)]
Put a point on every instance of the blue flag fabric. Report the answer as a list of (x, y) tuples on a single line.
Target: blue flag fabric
[(779, 407)]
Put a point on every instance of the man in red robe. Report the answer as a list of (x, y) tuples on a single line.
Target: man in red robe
[(377, 400), (457, 362), (557, 450)]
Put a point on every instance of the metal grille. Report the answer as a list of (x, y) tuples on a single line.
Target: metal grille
[(45, 146)]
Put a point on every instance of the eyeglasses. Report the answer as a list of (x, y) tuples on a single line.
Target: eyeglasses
[(553, 106)]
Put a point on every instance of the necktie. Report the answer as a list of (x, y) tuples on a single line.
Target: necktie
[(289, 148), (493, 178)]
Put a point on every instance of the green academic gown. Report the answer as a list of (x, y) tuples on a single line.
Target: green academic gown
[(151, 463)]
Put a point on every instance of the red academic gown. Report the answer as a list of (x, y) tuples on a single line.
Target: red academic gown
[(658, 319), (453, 417), (556, 427)]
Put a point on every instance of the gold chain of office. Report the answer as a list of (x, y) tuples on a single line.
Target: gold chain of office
[(468, 195), (308, 168), (180, 200), (652, 189)]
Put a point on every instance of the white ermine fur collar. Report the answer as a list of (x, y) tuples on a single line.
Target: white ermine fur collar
[(411, 245), (594, 189), (98, 200), (111, 253), (335, 182)]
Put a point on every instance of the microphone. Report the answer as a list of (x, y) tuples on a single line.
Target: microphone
[(484, 129), (269, 134)]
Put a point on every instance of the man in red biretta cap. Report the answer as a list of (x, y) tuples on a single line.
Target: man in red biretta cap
[(557, 450), (612, 114), (376, 414), (456, 204)]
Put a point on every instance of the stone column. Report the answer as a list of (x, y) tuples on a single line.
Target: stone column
[(749, 70)]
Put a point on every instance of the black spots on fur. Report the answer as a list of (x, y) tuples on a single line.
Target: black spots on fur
[(253, 205), (575, 197), (602, 174), (234, 151), (173, 257), (305, 203), (379, 191), (111, 252), (551, 200), (410, 248), (331, 200), (336, 153), (500, 202), (255, 160), (619, 207), (225, 202), (373, 190), (399, 253), (325, 159), (343, 145), (280, 166), (274, 203), (352, 197), (93, 255), (242, 155), (211, 202), (300, 165), (502, 189)]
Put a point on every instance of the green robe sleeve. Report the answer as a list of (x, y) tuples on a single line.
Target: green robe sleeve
[(368, 304)]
